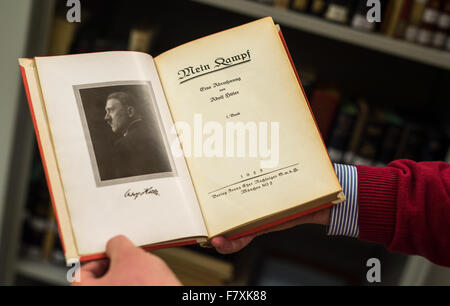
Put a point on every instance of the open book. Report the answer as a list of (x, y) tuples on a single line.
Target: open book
[(214, 137)]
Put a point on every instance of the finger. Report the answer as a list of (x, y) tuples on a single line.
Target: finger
[(118, 247), (225, 246), (219, 242), (94, 269)]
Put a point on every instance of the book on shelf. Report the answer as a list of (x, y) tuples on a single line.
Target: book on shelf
[(324, 104), (359, 19), (57, 256), (38, 232), (415, 19), (411, 141), (429, 22), (424, 142), (436, 144), (371, 139), (377, 136), (447, 42), (318, 7), (447, 155), (391, 138), (50, 236), (300, 5), (281, 3), (392, 17), (113, 130), (36, 218), (141, 38), (400, 28), (442, 27), (342, 130), (33, 231), (338, 11), (355, 139), (418, 21), (62, 35), (308, 78)]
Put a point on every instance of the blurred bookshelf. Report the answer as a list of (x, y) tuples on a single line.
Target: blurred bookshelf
[(376, 98), (321, 27)]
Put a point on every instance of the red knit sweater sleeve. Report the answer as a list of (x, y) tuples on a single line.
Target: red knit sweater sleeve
[(406, 207)]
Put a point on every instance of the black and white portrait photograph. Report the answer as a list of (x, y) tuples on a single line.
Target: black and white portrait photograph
[(124, 132)]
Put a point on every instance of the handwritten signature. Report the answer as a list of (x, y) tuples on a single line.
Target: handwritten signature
[(146, 191)]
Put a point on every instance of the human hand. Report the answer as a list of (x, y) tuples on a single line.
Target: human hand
[(127, 265), (225, 246)]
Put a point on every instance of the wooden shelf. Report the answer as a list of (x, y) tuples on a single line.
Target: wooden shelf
[(317, 26)]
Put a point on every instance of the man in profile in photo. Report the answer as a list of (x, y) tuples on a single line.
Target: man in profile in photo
[(138, 149)]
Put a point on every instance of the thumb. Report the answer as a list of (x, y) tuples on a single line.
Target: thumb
[(118, 248)]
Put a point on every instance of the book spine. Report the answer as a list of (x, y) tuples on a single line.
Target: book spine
[(435, 145), (429, 21), (341, 132), (371, 140), (284, 4), (390, 140), (392, 17), (300, 5), (141, 39), (447, 42), (363, 114), (324, 104), (48, 242), (57, 254), (415, 19), (359, 19), (33, 233), (318, 7), (62, 36), (412, 142), (338, 11), (403, 19), (443, 27)]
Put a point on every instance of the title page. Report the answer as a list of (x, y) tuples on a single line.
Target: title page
[(250, 140)]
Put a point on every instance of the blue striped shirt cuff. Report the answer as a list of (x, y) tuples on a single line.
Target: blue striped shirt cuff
[(344, 216)]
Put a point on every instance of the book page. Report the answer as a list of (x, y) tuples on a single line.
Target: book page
[(249, 137), (110, 126), (39, 117)]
